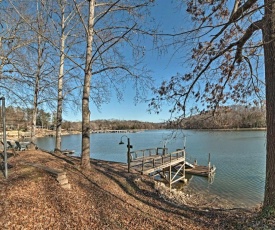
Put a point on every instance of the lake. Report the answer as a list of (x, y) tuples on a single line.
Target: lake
[(239, 157)]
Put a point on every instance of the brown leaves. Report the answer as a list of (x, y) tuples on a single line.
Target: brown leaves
[(106, 198)]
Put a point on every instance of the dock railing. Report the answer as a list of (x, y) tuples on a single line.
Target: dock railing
[(153, 158), (147, 153), (170, 166), (157, 161)]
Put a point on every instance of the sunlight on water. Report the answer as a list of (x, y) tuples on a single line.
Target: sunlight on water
[(239, 157)]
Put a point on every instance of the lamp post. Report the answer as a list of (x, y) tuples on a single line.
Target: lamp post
[(129, 146), (4, 136)]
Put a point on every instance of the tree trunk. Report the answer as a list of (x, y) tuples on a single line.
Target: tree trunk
[(269, 57), (34, 114), (36, 91), (60, 84), (85, 157)]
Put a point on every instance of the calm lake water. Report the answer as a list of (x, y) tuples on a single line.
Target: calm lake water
[(239, 157)]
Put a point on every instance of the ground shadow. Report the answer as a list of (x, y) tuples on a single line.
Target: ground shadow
[(202, 217)]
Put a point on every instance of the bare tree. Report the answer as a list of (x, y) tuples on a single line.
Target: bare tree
[(62, 6), (108, 33), (227, 42), (85, 157), (13, 39), (111, 29), (49, 29), (63, 24), (37, 75), (32, 66)]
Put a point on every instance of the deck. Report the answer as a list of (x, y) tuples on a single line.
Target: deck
[(150, 164), (170, 166), (158, 162)]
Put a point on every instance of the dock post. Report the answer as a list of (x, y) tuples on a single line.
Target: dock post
[(209, 164), (183, 168), (128, 153), (142, 167), (170, 177)]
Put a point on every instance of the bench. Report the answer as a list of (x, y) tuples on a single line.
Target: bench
[(60, 175)]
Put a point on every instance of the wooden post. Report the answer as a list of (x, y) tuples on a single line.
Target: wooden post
[(170, 177), (209, 164), (128, 153), (18, 132), (4, 136), (183, 168)]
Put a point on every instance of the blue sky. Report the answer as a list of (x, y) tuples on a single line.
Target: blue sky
[(162, 66)]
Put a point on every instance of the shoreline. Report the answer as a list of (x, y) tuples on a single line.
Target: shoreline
[(17, 135)]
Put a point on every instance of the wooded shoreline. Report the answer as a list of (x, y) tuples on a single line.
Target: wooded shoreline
[(15, 135)]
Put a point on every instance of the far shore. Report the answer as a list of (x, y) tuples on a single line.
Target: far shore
[(233, 129), (20, 135)]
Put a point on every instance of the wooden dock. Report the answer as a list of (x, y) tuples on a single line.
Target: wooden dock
[(150, 164), (170, 166), (158, 162)]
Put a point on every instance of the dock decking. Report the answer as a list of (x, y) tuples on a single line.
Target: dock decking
[(149, 164), (170, 166)]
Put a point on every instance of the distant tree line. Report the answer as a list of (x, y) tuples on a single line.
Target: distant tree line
[(228, 117), (114, 124), (20, 118)]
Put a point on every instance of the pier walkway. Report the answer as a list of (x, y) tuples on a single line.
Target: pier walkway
[(170, 166), (156, 161)]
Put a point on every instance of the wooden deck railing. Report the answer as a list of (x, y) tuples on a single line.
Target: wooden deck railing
[(143, 153), (153, 158)]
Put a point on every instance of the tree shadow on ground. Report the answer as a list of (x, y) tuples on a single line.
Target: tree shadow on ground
[(204, 217), (2, 163), (60, 156), (138, 188)]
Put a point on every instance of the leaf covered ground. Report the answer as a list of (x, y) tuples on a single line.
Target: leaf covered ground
[(106, 197)]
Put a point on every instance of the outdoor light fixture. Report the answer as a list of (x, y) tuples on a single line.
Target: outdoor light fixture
[(121, 142), (129, 146)]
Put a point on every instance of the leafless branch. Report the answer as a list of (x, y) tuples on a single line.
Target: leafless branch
[(248, 33)]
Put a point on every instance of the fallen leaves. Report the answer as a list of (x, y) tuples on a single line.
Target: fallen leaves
[(107, 197)]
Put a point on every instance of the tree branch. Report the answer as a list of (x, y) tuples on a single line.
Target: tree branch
[(117, 39), (248, 33), (236, 14)]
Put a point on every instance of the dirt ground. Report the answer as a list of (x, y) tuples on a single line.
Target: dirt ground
[(106, 197)]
